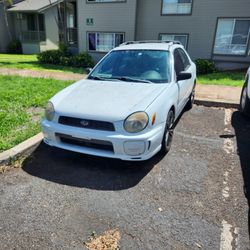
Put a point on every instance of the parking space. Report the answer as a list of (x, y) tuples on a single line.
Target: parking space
[(192, 198)]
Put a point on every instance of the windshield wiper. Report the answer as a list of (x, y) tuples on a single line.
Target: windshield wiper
[(121, 78), (131, 79), (99, 78)]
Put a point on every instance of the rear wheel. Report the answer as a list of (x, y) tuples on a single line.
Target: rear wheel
[(245, 101), (168, 133), (190, 102)]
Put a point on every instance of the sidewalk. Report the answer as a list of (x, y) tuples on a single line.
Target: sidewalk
[(218, 95), (212, 95), (65, 76)]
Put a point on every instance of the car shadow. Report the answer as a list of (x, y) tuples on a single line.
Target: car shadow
[(79, 170), (242, 131), (85, 171)]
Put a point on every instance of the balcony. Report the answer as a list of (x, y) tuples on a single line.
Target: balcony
[(33, 36)]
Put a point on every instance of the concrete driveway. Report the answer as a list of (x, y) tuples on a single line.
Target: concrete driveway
[(193, 198)]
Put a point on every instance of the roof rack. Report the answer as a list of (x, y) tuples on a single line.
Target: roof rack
[(170, 42)]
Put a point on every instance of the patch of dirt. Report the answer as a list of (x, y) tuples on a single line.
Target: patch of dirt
[(17, 163), (35, 113), (109, 240), (66, 76)]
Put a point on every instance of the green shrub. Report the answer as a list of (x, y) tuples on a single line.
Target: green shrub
[(50, 56), (15, 47), (65, 58), (64, 49), (205, 66), (82, 60)]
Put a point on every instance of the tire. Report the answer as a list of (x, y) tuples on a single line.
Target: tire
[(168, 133), (190, 102), (245, 101)]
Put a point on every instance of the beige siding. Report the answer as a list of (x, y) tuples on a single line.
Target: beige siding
[(200, 26), (30, 48), (109, 17), (51, 29)]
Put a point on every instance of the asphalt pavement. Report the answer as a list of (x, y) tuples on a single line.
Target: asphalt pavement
[(193, 198)]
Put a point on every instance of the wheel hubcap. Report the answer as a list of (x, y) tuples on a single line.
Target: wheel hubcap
[(170, 124)]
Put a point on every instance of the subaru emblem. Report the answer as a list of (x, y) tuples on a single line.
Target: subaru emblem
[(84, 123)]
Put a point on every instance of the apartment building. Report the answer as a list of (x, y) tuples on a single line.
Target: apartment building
[(210, 29)]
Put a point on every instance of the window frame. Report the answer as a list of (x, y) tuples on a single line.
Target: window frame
[(176, 34), (108, 1), (177, 14), (109, 32), (215, 32)]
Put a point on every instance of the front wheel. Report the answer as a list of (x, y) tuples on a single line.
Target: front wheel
[(245, 101), (168, 133)]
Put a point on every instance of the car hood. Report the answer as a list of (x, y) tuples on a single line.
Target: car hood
[(105, 100)]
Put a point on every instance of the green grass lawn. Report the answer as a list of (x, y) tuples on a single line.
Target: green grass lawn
[(22, 102), (223, 78), (31, 62)]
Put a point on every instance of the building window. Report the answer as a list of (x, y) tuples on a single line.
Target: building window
[(33, 28), (104, 1), (183, 39), (67, 23), (31, 22), (41, 22), (104, 42), (176, 7), (232, 37), (71, 14)]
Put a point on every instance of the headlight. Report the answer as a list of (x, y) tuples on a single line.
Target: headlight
[(50, 111), (136, 122)]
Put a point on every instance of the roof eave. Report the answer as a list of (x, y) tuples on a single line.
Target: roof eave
[(36, 10)]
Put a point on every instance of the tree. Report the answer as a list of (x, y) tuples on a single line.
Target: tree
[(60, 18), (6, 4)]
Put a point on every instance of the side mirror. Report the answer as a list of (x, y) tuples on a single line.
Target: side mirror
[(183, 76), (88, 70)]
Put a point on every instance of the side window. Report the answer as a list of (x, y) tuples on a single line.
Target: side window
[(178, 63), (184, 59)]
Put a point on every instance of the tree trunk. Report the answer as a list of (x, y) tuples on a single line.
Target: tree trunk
[(6, 19), (59, 17)]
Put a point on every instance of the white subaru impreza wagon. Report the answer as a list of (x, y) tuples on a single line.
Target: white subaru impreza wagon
[(127, 105)]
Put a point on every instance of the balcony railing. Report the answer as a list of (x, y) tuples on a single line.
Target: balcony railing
[(33, 36)]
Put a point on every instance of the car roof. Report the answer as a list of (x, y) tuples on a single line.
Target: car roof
[(148, 45)]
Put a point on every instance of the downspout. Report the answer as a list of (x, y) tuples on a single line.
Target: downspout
[(65, 23), (38, 32)]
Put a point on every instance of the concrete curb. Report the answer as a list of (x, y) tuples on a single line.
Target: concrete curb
[(24, 148), (216, 103)]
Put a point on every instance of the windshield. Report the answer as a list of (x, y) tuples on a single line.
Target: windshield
[(151, 66)]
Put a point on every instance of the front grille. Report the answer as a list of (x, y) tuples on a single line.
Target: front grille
[(86, 123), (95, 144)]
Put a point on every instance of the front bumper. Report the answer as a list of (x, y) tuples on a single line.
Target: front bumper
[(125, 147)]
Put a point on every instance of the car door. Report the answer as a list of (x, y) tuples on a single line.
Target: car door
[(182, 64)]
